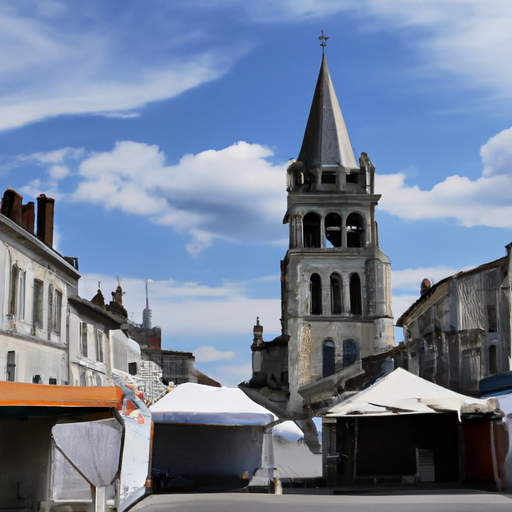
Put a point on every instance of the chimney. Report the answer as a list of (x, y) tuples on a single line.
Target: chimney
[(12, 205), (45, 209), (28, 216)]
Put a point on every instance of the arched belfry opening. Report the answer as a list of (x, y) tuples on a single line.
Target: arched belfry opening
[(350, 352), (311, 223), (328, 359), (315, 292), (356, 307), (336, 294), (333, 229), (356, 230)]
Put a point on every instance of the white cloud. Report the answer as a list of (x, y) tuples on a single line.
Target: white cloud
[(57, 157), (234, 193), (89, 58), (469, 39), (497, 154), (190, 309), (401, 304), (411, 278), (486, 201), (206, 354), (465, 38), (232, 375)]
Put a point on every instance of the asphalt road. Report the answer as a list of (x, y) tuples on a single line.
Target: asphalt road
[(245, 502)]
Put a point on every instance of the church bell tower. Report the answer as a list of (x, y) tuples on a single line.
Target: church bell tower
[(335, 281)]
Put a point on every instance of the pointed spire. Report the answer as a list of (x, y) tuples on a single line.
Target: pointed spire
[(326, 139)]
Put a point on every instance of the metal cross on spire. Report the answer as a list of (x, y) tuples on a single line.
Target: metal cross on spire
[(323, 38)]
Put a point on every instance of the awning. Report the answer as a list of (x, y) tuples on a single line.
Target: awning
[(191, 403), (402, 392), (17, 394)]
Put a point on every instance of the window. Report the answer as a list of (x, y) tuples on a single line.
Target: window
[(99, 346), (36, 379), (329, 365), (132, 368), (50, 308), (350, 352), (315, 292), (83, 339), (493, 360), (332, 440), (355, 295), (355, 227), (336, 290), (333, 229), (21, 294), (57, 312), (13, 291), (38, 304), (311, 225), (492, 323), (11, 366), (52, 381)]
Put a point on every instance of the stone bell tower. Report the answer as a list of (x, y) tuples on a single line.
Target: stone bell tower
[(336, 282)]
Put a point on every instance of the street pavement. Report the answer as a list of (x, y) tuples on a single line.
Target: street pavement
[(247, 502)]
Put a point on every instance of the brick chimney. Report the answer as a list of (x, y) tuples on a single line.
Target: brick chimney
[(28, 216), (45, 210), (12, 205)]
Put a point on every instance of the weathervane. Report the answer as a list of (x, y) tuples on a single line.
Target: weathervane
[(323, 38)]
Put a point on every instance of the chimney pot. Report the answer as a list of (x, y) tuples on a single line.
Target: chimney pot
[(45, 213)]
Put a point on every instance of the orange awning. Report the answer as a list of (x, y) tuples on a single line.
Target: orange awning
[(41, 395)]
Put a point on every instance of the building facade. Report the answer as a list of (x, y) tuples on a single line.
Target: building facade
[(48, 334), (335, 280), (458, 331)]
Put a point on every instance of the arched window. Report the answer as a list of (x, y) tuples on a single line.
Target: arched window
[(350, 352), (315, 292), (355, 295), (311, 225), (328, 361), (336, 290), (356, 227), (333, 229)]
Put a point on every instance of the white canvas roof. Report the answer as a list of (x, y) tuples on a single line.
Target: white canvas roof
[(401, 392), (205, 405)]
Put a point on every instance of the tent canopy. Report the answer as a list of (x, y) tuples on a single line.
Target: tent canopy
[(197, 404), (402, 392)]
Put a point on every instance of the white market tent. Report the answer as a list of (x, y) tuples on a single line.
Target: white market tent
[(402, 392), (197, 404)]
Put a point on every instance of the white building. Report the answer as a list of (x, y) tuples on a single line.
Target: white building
[(48, 334)]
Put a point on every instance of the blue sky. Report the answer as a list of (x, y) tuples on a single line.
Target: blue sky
[(163, 131)]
